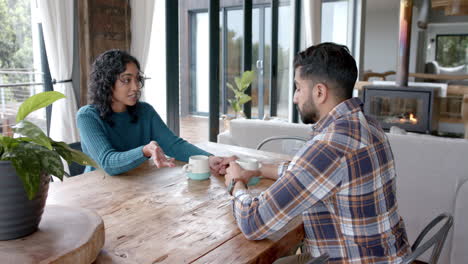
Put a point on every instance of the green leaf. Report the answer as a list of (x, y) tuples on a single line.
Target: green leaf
[(73, 155), (235, 105), (28, 167), (8, 145), (36, 102), (230, 87), (63, 150), (238, 83), (50, 160), (30, 176), (33, 132), (244, 99), (238, 94), (246, 80), (83, 159)]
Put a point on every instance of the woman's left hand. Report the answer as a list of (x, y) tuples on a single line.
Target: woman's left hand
[(158, 156)]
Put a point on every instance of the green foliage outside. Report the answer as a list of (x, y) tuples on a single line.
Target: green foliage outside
[(452, 50), (15, 45), (32, 153)]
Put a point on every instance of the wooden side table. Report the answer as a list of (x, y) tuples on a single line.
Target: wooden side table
[(65, 235)]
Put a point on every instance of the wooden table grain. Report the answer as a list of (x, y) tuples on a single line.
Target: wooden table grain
[(156, 215)]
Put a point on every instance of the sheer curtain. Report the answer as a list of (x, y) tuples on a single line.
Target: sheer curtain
[(57, 24), (141, 26)]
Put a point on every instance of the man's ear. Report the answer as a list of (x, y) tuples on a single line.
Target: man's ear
[(321, 93)]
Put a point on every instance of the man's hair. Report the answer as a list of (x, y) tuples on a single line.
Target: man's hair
[(331, 64), (104, 73)]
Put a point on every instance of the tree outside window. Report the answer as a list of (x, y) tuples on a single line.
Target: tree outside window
[(452, 50)]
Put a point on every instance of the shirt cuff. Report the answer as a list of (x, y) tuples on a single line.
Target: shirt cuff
[(240, 192), (282, 168)]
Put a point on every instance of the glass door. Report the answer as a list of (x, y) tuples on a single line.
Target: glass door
[(231, 34)]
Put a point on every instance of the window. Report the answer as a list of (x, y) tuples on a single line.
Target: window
[(452, 50), (335, 21), (231, 58), (20, 61)]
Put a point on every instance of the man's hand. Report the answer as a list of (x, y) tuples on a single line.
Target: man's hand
[(154, 151), (225, 163), (218, 165), (234, 171)]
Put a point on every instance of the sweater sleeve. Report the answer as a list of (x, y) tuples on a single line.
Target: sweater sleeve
[(173, 145), (100, 149)]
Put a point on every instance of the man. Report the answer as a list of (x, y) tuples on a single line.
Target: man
[(342, 180)]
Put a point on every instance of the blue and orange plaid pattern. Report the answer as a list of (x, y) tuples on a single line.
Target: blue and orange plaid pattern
[(342, 181)]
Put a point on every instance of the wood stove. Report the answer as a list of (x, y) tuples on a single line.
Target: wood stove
[(410, 108)]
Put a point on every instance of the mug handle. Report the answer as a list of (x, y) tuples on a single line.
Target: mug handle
[(187, 167)]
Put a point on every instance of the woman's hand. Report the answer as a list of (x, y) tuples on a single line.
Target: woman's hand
[(154, 151)]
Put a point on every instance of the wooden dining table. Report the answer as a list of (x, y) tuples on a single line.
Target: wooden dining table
[(158, 215)]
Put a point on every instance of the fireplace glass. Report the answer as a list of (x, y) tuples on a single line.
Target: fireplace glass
[(409, 108)]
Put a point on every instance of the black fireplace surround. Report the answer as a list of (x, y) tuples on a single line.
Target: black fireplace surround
[(410, 108)]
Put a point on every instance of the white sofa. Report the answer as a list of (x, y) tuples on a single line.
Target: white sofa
[(432, 176)]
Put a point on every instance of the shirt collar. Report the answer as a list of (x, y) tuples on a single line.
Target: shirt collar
[(344, 108)]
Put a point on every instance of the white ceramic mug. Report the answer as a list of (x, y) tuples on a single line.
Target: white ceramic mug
[(248, 164), (198, 167)]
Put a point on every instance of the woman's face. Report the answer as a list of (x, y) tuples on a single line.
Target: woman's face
[(126, 90)]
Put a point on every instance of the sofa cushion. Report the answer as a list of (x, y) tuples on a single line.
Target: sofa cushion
[(249, 133), (460, 231), (429, 171)]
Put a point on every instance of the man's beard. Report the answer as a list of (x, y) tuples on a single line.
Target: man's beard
[(309, 114)]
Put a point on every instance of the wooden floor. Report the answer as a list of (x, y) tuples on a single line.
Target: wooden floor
[(194, 129)]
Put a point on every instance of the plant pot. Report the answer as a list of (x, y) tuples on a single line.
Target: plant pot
[(19, 216)]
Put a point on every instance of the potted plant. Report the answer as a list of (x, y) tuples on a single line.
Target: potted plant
[(27, 160), (240, 98)]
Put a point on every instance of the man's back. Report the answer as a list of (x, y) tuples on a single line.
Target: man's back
[(358, 221)]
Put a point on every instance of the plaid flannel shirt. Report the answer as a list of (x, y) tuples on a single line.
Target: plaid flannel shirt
[(342, 181)]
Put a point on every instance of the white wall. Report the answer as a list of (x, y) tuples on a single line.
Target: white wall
[(381, 37)]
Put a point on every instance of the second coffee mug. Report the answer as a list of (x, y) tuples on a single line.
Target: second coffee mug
[(250, 164)]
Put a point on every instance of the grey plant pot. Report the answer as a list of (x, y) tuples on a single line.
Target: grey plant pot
[(19, 216)]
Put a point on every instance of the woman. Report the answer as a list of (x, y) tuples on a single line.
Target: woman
[(117, 130)]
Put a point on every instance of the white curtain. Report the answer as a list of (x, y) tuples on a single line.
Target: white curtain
[(141, 24), (57, 24)]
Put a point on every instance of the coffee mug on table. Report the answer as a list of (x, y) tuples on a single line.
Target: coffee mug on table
[(250, 164), (198, 168)]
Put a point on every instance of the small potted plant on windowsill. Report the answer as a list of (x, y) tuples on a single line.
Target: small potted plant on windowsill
[(240, 98), (27, 160)]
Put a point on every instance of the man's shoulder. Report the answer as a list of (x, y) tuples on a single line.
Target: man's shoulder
[(352, 132)]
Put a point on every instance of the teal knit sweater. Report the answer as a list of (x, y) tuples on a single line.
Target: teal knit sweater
[(119, 148)]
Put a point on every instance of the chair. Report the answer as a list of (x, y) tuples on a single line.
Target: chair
[(75, 168), (436, 241), (289, 149)]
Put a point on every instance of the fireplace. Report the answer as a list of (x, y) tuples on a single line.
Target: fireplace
[(410, 108)]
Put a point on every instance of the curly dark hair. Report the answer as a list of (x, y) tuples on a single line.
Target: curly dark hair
[(105, 71)]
